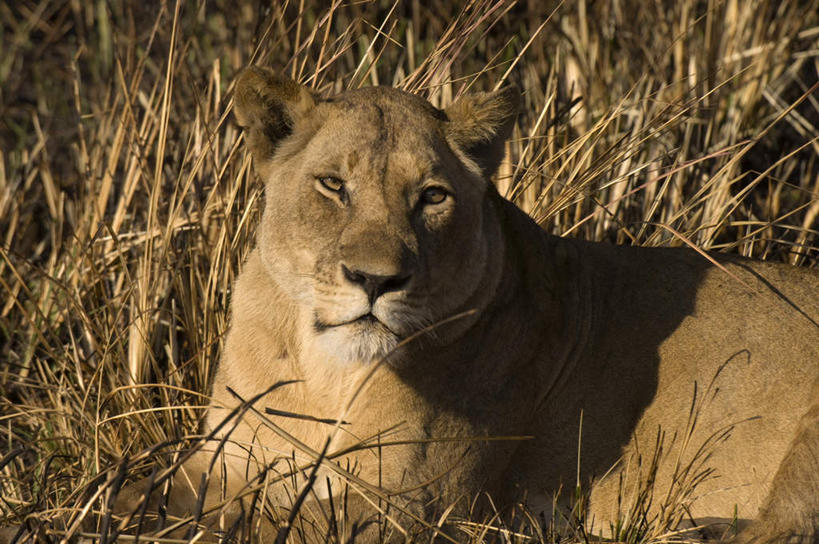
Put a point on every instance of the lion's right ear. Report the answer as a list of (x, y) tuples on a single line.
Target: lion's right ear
[(267, 106), (480, 123)]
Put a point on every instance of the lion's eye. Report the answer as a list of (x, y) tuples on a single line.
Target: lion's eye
[(433, 195), (331, 184)]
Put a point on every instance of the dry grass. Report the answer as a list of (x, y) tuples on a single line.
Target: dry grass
[(127, 201)]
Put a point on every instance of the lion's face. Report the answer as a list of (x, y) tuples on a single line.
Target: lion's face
[(376, 223)]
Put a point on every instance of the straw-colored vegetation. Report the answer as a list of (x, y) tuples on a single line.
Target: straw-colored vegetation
[(127, 201)]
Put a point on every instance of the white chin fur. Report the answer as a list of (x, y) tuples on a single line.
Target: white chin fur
[(355, 343)]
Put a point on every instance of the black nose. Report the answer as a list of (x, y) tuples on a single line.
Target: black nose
[(373, 284)]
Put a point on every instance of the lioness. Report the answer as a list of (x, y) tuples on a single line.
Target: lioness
[(395, 297)]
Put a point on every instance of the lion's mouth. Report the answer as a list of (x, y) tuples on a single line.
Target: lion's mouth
[(367, 320)]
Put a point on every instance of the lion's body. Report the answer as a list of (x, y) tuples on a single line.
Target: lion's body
[(665, 336), (579, 350)]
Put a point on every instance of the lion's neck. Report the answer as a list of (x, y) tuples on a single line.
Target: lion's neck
[(544, 300)]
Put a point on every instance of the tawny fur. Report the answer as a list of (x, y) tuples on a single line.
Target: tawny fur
[(591, 350)]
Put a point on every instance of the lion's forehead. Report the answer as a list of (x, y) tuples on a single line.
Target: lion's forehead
[(384, 117), (379, 140)]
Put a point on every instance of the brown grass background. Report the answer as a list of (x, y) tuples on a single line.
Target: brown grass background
[(127, 201)]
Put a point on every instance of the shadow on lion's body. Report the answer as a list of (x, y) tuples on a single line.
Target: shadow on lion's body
[(571, 350)]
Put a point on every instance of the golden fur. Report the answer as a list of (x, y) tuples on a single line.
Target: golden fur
[(394, 289)]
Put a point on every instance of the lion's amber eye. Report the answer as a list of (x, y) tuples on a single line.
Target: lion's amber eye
[(331, 184), (433, 195)]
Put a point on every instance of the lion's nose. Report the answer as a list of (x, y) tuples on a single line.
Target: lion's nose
[(375, 285)]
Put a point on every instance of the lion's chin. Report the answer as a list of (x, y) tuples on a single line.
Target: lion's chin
[(361, 341)]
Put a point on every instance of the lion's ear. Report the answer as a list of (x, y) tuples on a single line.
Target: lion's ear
[(480, 123), (268, 105)]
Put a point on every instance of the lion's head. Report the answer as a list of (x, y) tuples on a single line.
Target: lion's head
[(376, 222)]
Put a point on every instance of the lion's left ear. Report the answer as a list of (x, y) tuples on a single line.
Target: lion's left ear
[(480, 123)]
